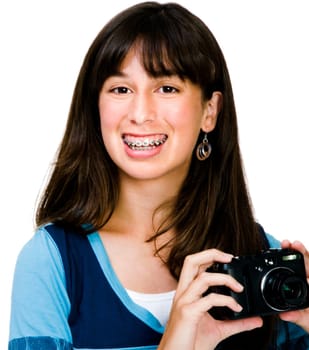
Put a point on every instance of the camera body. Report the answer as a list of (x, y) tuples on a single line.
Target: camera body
[(274, 281)]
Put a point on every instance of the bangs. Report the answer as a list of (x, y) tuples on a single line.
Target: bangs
[(167, 43), (159, 58), (166, 48)]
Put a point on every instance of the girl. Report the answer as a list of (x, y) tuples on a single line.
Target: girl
[(146, 193)]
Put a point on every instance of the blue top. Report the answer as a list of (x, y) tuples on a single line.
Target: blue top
[(67, 296)]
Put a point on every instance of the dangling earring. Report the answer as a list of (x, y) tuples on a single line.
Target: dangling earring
[(203, 150)]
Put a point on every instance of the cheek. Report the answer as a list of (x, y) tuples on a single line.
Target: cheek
[(186, 116), (108, 123), (109, 116), (187, 121)]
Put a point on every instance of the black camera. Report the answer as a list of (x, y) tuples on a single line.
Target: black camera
[(274, 281)]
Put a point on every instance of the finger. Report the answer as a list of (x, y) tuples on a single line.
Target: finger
[(300, 247), (196, 263), (285, 244), (299, 317), (236, 326), (215, 300), (296, 245), (194, 311), (291, 316), (206, 280)]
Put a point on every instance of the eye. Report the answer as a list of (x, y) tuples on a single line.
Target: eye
[(121, 90), (167, 89)]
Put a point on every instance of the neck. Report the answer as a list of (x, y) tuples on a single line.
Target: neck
[(138, 201)]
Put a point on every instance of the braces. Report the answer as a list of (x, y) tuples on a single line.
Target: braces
[(145, 143)]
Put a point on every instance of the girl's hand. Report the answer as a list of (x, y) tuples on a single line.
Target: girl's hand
[(190, 326), (300, 317)]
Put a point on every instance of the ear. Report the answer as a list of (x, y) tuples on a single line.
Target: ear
[(211, 110)]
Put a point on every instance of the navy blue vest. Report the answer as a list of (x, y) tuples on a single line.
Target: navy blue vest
[(98, 319)]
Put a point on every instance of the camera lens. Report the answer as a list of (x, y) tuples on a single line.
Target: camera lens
[(292, 289), (283, 290)]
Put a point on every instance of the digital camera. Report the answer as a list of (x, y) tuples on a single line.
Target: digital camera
[(274, 281)]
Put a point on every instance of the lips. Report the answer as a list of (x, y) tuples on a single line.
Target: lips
[(141, 143)]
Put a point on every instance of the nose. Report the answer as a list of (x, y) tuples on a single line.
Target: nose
[(142, 108)]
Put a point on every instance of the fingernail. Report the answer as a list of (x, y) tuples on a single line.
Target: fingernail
[(240, 287), (239, 307)]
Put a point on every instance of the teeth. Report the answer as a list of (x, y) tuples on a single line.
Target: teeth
[(146, 143)]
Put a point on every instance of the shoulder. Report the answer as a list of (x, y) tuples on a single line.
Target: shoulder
[(39, 263), (273, 242), (39, 251), (40, 305), (269, 240)]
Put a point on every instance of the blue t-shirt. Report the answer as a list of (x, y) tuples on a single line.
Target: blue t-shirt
[(66, 296)]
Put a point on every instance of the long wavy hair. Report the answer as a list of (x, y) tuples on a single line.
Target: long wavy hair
[(213, 207)]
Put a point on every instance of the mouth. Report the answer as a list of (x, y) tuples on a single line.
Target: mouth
[(144, 143)]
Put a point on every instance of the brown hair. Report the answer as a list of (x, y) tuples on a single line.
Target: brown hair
[(213, 207)]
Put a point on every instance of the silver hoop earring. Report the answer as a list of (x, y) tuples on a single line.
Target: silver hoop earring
[(203, 150)]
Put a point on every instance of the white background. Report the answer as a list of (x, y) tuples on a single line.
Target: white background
[(43, 44)]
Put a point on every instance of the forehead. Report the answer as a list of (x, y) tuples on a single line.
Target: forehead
[(132, 58)]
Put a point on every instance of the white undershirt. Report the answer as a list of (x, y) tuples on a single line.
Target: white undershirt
[(158, 304)]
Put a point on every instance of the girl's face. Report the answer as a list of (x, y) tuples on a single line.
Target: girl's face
[(150, 125)]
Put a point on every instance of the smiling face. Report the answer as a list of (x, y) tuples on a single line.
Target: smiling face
[(150, 125)]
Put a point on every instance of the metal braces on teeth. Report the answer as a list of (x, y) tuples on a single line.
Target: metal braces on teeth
[(145, 143)]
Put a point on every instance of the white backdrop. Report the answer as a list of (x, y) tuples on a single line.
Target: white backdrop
[(42, 46)]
